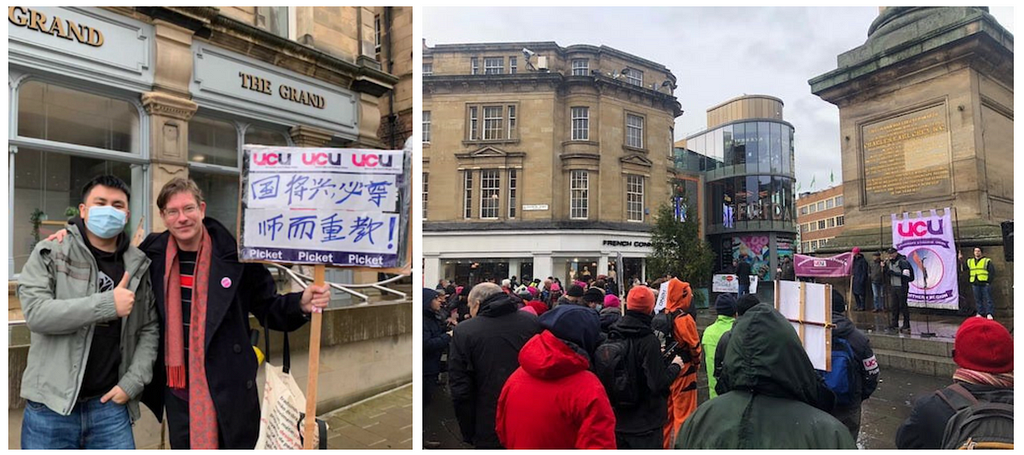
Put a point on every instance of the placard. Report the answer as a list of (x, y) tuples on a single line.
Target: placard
[(336, 207), (927, 242), (835, 266), (808, 307), (729, 283)]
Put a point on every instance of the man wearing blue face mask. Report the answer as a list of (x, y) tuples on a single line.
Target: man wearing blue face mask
[(90, 309)]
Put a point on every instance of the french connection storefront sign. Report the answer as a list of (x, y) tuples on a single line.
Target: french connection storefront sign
[(226, 81)]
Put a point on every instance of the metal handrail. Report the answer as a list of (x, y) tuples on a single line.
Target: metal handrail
[(301, 279)]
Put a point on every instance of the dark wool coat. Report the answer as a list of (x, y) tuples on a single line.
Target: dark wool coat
[(230, 361)]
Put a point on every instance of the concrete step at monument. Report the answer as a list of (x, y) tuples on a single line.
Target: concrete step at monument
[(926, 364)]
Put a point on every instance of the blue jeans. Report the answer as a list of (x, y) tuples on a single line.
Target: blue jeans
[(877, 290), (91, 425), (983, 298), (744, 289)]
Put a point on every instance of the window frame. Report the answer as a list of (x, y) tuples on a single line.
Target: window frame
[(513, 183), (584, 120), (490, 69), (631, 78), (579, 207), (467, 194), (630, 187), (629, 128), (492, 129), (513, 64), (474, 65), (489, 193), (427, 68), (425, 193), (580, 70), (493, 126), (425, 127)]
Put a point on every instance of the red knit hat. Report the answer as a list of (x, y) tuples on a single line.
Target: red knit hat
[(983, 345), (640, 299)]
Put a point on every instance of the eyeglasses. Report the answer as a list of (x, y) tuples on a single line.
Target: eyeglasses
[(188, 210)]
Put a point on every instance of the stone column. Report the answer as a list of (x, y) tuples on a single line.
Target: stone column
[(431, 270), (543, 265), (168, 140), (369, 121), (307, 136)]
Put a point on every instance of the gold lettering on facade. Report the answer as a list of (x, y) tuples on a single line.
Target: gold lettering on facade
[(259, 84), (36, 20), (907, 155)]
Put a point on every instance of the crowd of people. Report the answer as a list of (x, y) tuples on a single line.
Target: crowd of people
[(534, 365)]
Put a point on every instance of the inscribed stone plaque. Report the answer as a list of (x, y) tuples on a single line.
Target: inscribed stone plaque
[(907, 157)]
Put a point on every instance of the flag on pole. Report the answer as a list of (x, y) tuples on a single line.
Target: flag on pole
[(832, 176), (813, 177)]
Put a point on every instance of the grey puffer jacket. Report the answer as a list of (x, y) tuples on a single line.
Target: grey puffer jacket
[(58, 292)]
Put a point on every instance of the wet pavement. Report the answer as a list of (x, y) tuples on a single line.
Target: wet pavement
[(383, 421)]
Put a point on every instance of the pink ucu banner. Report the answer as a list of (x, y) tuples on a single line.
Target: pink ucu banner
[(838, 265), (927, 242)]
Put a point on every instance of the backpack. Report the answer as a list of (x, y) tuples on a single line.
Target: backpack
[(976, 424), (842, 379), (615, 365)]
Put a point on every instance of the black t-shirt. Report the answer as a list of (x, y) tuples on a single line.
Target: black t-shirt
[(101, 368)]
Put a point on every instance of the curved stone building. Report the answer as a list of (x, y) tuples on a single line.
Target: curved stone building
[(541, 160)]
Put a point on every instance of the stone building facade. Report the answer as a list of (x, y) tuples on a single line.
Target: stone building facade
[(153, 93), (541, 160), (926, 123)]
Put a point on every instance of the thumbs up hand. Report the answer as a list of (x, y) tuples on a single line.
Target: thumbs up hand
[(124, 299)]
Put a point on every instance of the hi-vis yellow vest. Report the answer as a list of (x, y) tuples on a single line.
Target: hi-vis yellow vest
[(979, 269)]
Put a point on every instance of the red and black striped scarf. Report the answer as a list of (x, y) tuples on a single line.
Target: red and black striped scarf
[(201, 412)]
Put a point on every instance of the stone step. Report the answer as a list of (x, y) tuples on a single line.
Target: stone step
[(939, 347), (925, 364)]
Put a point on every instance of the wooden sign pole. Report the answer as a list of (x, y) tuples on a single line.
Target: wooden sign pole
[(314, 365)]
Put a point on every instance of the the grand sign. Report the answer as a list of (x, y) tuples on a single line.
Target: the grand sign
[(907, 156), (265, 86), (229, 82), (33, 19)]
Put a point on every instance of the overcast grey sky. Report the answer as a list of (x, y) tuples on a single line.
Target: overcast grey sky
[(716, 54)]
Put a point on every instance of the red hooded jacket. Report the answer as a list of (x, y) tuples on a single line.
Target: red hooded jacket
[(553, 401)]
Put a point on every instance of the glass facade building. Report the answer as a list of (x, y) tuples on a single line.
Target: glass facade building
[(748, 190)]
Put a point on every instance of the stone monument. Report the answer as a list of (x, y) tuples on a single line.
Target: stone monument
[(926, 122)]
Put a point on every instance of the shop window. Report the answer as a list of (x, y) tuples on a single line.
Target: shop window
[(578, 194), (212, 141), (634, 198), (262, 136), (48, 189), (220, 192), (54, 113)]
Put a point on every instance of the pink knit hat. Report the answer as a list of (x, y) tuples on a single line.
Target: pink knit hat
[(611, 301)]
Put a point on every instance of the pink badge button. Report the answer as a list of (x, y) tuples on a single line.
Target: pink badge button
[(225, 282)]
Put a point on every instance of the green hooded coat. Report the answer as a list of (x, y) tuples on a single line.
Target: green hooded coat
[(775, 398), (710, 341)]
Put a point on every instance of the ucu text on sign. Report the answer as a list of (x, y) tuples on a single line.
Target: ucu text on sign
[(920, 228), (337, 159)]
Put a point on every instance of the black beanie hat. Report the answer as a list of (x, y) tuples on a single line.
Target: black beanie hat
[(725, 305), (838, 302), (593, 295), (745, 303), (575, 291)]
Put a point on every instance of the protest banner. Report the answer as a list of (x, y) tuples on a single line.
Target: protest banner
[(927, 242), (808, 307), (725, 282), (324, 206), (835, 266)]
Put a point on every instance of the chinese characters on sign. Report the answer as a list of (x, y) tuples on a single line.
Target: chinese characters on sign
[(321, 206)]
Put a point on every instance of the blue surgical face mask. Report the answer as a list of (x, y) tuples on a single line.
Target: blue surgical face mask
[(105, 221)]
